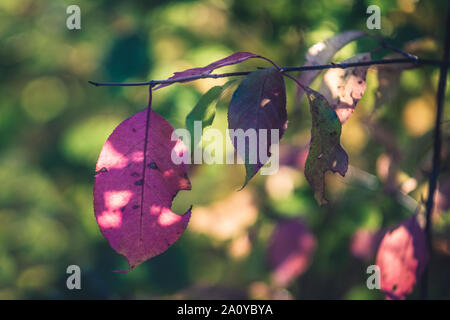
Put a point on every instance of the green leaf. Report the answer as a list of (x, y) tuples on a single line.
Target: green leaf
[(325, 151), (205, 109)]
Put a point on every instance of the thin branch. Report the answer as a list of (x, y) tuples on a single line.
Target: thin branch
[(437, 142), (282, 69), (386, 45)]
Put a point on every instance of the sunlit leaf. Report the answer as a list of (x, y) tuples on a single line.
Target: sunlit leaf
[(325, 151), (135, 183), (258, 103), (322, 52), (343, 88)]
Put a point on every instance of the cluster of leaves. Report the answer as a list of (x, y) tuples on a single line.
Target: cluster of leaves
[(136, 180)]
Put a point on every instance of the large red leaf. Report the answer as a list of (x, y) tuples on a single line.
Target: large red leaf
[(402, 257), (232, 59), (135, 183), (290, 252)]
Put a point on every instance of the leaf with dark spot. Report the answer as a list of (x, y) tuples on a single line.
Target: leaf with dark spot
[(325, 151), (402, 257), (152, 165), (146, 226), (258, 103)]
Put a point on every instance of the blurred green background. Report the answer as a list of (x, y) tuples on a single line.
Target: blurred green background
[(53, 125)]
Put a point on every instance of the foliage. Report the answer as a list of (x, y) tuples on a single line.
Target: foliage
[(53, 125)]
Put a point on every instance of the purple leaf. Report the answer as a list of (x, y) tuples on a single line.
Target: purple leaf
[(135, 183), (402, 257), (290, 252), (258, 103), (232, 59)]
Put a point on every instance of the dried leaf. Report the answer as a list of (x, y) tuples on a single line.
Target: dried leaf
[(258, 103), (325, 151), (290, 252), (343, 88), (135, 183), (322, 52), (402, 257), (232, 59)]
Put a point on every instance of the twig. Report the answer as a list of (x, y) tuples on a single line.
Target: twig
[(436, 151), (282, 69)]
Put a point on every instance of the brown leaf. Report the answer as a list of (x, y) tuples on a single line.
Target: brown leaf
[(322, 52), (343, 88)]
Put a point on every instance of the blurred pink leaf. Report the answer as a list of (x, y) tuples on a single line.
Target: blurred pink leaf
[(135, 183), (402, 257), (290, 252), (258, 103), (293, 155), (364, 243), (232, 59)]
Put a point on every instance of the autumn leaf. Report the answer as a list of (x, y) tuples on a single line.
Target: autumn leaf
[(290, 251), (258, 103), (402, 257), (322, 52), (135, 184), (343, 88), (325, 151), (232, 59)]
